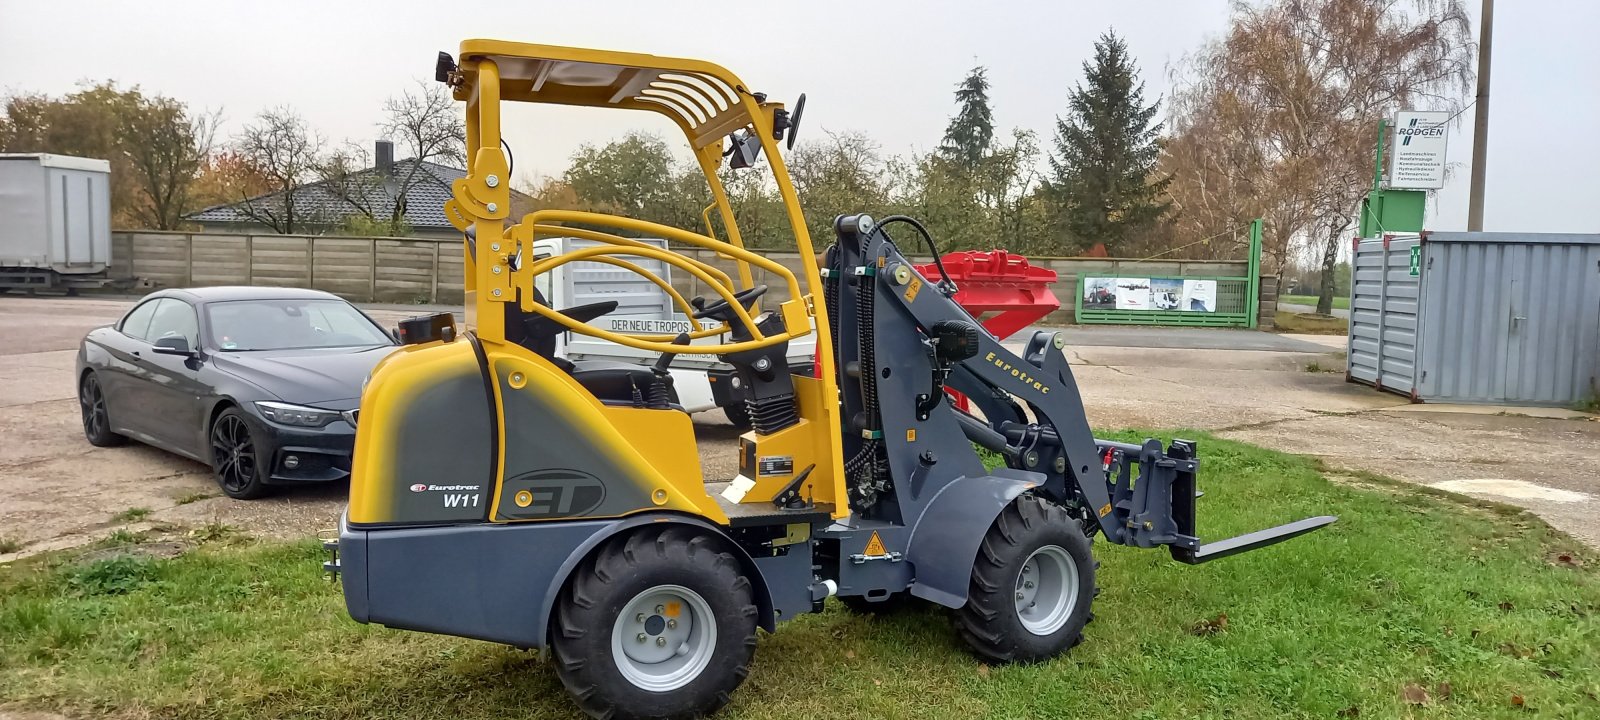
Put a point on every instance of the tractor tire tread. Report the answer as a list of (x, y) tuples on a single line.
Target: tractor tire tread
[(609, 578), (988, 622)]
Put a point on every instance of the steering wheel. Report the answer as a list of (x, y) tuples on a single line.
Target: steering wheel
[(720, 310)]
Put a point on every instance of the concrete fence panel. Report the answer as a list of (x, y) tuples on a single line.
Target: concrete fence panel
[(429, 270)]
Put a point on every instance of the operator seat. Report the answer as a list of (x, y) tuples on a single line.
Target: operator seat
[(611, 381)]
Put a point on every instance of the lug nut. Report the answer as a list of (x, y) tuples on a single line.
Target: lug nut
[(639, 618), (661, 642), (1027, 569), (641, 637), (1028, 584), (672, 624), (660, 609), (1019, 596)]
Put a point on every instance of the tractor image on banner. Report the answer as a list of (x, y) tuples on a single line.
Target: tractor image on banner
[(591, 529)]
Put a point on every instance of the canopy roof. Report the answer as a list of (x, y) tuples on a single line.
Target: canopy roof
[(701, 97)]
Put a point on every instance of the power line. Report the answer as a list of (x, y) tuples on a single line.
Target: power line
[(1197, 242)]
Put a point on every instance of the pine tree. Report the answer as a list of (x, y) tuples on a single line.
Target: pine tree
[(1104, 186), (971, 132)]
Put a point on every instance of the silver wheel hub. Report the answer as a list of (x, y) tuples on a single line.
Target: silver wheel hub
[(663, 638), (1047, 590)]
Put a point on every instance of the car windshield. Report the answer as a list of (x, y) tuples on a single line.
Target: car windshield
[(290, 325)]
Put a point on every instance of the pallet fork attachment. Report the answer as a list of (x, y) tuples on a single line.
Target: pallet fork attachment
[(1171, 474)]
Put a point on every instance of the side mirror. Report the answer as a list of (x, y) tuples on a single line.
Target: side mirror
[(174, 346)]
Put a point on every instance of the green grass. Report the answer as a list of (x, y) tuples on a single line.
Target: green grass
[(132, 514), (1340, 302), (195, 497), (1288, 322), (1409, 588)]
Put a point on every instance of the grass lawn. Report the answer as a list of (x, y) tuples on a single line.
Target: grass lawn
[(1340, 302), (1288, 322), (1413, 604)]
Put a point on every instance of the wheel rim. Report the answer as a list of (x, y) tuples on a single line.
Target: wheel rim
[(93, 403), (664, 638), (1047, 590), (233, 453)]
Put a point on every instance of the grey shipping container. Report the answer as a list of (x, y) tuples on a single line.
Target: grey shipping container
[(1496, 318), (55, 215)]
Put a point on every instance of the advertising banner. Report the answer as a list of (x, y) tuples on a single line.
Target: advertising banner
[(1133, 293), (1417, 153)]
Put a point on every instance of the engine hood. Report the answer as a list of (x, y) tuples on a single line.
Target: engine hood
[(306, 377)]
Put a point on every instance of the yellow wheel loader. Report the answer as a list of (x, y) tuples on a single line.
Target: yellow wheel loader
[(503, 493)]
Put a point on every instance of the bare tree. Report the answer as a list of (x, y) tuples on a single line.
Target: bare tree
[(1287, 102), (426, 123), (280, 146)]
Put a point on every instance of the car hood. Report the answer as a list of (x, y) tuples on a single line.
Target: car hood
[(306, 377)]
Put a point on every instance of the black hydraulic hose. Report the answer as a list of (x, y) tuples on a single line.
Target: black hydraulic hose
[(927, 239)]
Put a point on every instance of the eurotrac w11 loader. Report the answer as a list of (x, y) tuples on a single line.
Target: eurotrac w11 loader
[(502, 493)]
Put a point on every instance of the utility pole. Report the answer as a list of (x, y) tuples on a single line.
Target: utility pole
[(1480, 124)]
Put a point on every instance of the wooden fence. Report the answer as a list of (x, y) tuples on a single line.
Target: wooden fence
[(429, 270)]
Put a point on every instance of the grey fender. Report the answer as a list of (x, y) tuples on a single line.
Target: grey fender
[(944, 543), (558, 581)]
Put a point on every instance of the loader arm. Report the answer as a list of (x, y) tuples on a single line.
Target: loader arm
[(1138, 495)]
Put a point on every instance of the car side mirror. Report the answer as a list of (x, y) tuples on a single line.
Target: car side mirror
[(174, 346)]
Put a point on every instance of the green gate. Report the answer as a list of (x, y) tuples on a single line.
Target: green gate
[(1206, 301)]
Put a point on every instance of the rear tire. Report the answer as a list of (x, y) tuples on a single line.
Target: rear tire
[(1032, 585), (96, 421), (696, 649)]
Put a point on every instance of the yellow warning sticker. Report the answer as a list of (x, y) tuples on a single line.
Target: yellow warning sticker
[(673, 609), (913, 288), (1105, 509), (911, 434), (875, 545)]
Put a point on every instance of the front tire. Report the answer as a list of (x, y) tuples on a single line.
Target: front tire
[(237, 460), (1032, 585), (96, 421), (658, 624)]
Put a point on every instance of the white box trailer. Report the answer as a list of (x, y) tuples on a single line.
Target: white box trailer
[(702, 381), (55, 220)]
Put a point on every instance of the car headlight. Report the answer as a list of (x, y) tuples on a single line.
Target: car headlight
[(297, 415)]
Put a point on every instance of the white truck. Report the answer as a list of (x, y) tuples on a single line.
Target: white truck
[(702, 382)]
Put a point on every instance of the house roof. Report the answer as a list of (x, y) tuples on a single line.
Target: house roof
[(324, 203)]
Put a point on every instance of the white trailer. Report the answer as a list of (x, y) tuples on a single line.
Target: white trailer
[(55, 221), (702, 381)]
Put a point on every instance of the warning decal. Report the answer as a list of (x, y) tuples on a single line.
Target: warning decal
[(875, 546)]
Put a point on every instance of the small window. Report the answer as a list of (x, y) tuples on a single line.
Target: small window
[(543, 281), (136, 323), (174, 318)]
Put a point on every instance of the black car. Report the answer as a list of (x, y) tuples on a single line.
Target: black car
[(261, 383)]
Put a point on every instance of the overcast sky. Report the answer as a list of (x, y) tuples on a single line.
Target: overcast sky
[(886, 69)]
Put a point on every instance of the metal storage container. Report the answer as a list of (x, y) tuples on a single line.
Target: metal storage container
[(1499, 318), (55, 214)]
